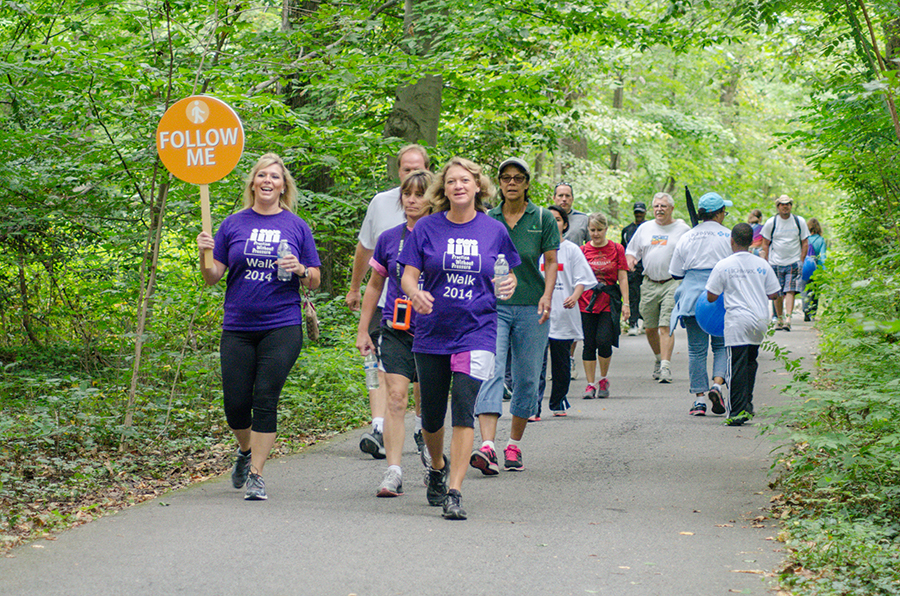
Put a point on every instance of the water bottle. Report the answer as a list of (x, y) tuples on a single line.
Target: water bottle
[(283, 250), (370, 365), (501, 273)]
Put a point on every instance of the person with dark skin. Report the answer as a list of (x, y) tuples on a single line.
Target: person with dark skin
[(636, 276)]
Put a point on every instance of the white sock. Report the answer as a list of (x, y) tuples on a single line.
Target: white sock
[(418, 423), (658, 357), (665, 363), (489, 444), (399, 470), (378, 424), (513, 442)]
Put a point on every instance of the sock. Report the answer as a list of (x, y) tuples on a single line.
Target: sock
[(418, 423), (513, 442), (717, 387), (399, 470), (602, 378), (489, 444), (378, 424), (658, 357), (664, 363), (244, 453)]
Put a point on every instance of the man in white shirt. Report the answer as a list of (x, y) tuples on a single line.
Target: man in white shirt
[(653, 243), (785, 242), (384, 212), (747, 281)]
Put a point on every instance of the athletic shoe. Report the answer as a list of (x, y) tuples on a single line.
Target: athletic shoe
[(256, 488), (241, 470), (453, 505), (507, 393), (426, 458), (420, 442), (603, 389), (485, 459), (534, 418), (656, 368), (590, 392), (513, 459), (633, 331), (698, 409), (715, 397), (437, 484), (665, 374), (560, 413), (739, 420), (574, 369), (786, 327), (391, 485), (373, 444)]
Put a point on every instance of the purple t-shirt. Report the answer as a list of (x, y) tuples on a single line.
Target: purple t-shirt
[(384, 261), (247, 243), (457, 261)]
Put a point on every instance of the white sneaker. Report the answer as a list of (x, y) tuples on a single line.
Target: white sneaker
[(656, 367), (574, 367), (665, 374)]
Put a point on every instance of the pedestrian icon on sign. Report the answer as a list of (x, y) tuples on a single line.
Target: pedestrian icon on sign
[(197, 112)]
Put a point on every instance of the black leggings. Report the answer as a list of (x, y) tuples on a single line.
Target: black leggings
[(435, 379), (255, 366), (598, 335)]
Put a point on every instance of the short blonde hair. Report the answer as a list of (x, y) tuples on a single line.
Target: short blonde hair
[(288, 198), (599, 219), (440, 202), (418, 149)]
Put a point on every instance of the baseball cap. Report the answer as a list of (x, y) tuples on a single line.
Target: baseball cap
[(515, 161), (640, 207), (711, 201)]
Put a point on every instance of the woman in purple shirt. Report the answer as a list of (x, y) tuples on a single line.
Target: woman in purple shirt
[(396, 335), (454, 250), (262, 328)]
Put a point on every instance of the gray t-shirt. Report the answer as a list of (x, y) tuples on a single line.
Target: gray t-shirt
[(578, 233)]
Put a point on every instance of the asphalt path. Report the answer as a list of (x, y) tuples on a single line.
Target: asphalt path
[(627, 495)]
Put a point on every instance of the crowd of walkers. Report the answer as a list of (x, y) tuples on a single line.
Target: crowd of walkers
[(468, 304)]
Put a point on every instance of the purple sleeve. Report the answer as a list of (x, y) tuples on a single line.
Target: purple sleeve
[(412, 250), (309, 256)]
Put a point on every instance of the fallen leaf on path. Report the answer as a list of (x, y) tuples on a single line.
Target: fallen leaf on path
[(724, 525), (753, 571), (686, 533)]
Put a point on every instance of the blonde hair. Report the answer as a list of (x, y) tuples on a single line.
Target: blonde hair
[(288, 198), (418, 149), (440, 202), (599, 219)]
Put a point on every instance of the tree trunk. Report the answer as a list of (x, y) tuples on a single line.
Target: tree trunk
[(417, 107), (617, 104)]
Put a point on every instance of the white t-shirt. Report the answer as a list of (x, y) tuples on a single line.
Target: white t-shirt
[(654, 244), (573, 269), (747, 281), (701, 248), (384, 212), (785, 238)]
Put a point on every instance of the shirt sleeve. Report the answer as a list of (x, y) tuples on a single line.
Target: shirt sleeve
[(772, 285), (620, 256), (766, 231), (309, 256), (716, 281), (549, 231), (367, 236), (581, 270), (633, 247), (412, 250), (676, 265)]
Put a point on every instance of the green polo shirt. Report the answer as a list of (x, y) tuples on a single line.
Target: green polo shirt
[(535, 233)]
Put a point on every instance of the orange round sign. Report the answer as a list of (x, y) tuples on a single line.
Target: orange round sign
[(200, 139)]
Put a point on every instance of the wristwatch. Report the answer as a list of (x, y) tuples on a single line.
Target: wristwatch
[(305, 273)]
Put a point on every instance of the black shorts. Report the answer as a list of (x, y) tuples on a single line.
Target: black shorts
[(396, 353)]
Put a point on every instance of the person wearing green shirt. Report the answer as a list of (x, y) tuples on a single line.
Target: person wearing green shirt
[(522, 320)]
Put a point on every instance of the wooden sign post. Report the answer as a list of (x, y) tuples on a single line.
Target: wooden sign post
[(200, 139)]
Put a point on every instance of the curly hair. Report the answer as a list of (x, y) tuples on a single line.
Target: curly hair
[(440, 202)]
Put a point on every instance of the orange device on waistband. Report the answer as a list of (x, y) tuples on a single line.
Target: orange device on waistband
[(402, 313)]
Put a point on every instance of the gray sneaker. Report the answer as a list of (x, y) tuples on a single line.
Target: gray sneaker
[(391, 485), (373, 444), (420, 441), (656, 368), (240, 470), (256, 488), (665, 374), (437, 484), (453, 506)]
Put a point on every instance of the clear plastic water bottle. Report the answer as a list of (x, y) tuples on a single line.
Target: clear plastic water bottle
[(501, 273), (370, 365), (283, 250)]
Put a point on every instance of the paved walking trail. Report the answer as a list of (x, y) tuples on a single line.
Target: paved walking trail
[(625, 496)]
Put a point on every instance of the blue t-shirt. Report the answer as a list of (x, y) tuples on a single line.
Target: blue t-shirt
[(247, 243), (457, 262), (385, 261)]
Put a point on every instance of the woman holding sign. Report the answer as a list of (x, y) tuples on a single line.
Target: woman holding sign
[(397, 325), (262, 328)]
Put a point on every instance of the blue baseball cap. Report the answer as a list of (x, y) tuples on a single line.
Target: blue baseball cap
[(711, 202)]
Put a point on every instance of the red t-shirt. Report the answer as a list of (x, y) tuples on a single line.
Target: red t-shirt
[(605, 262)]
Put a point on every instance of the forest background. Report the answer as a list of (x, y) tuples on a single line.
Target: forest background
[(109, 385)]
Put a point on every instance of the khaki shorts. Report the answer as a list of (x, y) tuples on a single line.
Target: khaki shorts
[(657, 302)]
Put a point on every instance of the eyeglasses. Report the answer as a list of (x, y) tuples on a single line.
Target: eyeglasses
[(518, 179)]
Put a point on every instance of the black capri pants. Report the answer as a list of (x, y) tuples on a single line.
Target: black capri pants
[(599, 335), (255, 366), (436, 380)]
